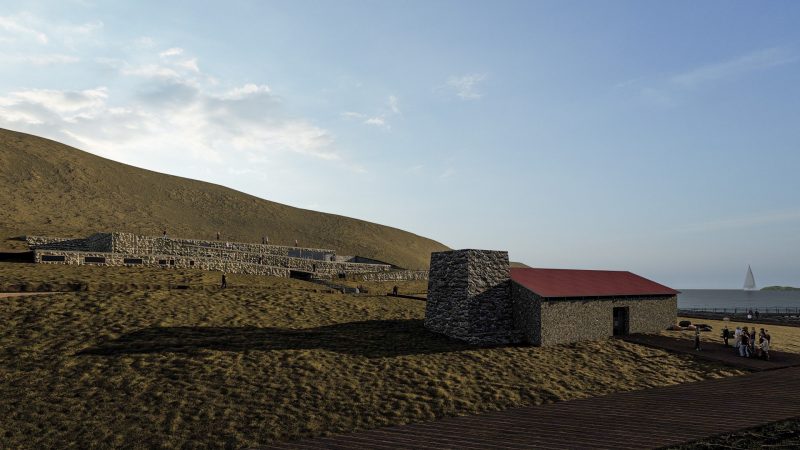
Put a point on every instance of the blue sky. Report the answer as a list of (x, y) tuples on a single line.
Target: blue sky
[(657, 137)]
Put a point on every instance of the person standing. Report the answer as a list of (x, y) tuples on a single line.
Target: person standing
[(765, 346), (726, 334), (217, 235), (697, 339), (744, 348), (737, 338), (224, 281), (295, 243)]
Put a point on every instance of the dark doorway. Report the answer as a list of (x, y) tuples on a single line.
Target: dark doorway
[(18, 256), (620, 321), (300, 275)]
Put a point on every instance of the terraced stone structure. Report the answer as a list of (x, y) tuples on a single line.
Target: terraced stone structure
[(474, 295), (126, 249)]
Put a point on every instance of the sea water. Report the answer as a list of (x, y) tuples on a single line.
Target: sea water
[(737, 298)]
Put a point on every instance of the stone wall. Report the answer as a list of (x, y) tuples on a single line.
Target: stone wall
[(527, 308), (564, 321), (165, 261), (132, 243), (469, 298), (393, 275), (216, 254)]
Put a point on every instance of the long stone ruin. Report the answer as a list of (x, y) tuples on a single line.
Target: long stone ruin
[(126, 249)]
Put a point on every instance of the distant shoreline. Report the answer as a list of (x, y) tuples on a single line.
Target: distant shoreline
[(780, 288)]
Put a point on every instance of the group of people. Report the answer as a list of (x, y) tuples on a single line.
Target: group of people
[(748, 343)]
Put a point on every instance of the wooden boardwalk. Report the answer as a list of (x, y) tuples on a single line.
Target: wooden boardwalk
[(649, 418)]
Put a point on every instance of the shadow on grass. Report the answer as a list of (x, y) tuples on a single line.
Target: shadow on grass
[(372, 339)]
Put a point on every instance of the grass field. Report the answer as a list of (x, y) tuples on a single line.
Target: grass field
[(779, 435), (269, 359)]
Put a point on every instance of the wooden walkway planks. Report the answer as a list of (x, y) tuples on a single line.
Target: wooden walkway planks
[(647, 418)]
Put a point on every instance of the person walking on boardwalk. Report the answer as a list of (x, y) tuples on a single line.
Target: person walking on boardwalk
[(737, 339), (726, 334), (224, 281), (697, 339)]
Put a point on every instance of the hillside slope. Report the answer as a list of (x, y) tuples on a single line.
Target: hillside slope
[(52, 189)]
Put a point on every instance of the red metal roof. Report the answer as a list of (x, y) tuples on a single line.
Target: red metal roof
[(586, 283)]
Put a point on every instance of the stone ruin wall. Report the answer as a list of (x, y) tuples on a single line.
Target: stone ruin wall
[(469, 298), (165, 261), (215, 255), (136, 244), (393, 275)]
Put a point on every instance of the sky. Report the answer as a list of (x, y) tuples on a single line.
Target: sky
[(657, 137)]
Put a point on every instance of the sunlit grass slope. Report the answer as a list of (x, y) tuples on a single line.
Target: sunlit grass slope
[(53, 189)]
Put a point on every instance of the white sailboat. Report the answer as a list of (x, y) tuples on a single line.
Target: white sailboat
[(749, 281)]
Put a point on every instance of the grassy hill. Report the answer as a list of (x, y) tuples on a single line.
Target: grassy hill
[(50, 188)]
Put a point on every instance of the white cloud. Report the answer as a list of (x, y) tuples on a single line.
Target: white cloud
[(190, 64), (246, 91), (177, 113), (69, 106), (667, 91), (353, 115), (144, 42), (751, 220), (39, 60), (447, 173), (174, 51), (376, 121), (757, 60), (26, 28), (18, 28), (380, 120), (151, 71), (466, 86), (393, 104)]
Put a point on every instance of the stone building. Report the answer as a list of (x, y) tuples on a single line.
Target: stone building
[(475, 296)]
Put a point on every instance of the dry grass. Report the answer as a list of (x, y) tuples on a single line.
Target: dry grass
[(778, 435), (785, 339), (53, 189), (269, 359)]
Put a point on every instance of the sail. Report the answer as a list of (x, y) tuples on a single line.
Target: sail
[(749, 281)]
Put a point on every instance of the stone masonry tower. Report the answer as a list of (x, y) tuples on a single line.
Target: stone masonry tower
[(469, 296)]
